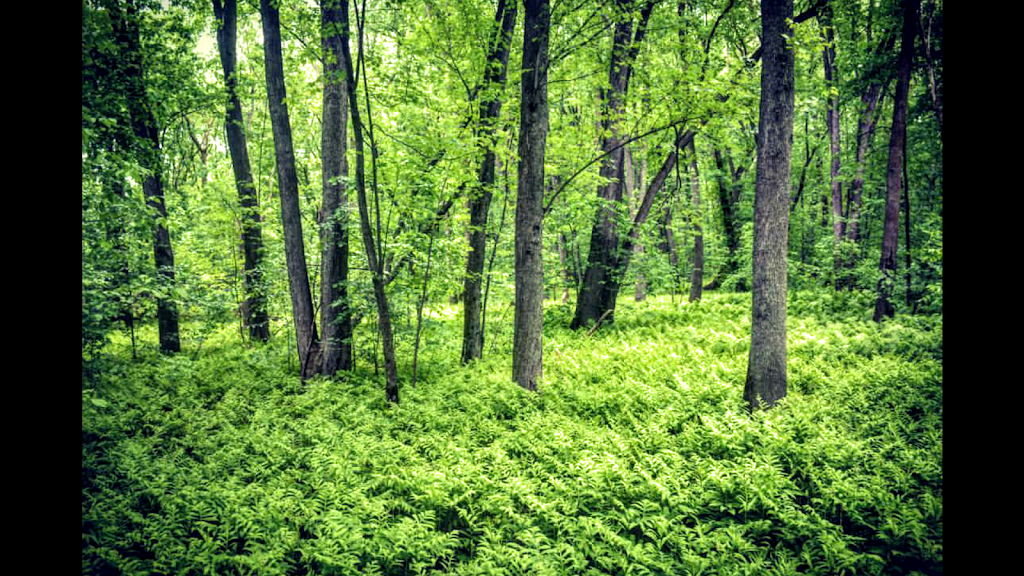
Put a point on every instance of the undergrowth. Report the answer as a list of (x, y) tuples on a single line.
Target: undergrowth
[(637, 456)]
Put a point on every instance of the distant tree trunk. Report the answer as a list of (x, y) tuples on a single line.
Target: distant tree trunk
[(254, 305), (926, 40), (376, 266), (890, 228), (288, 186), (148, 153), (766, 367), (697, 274), (480, 199), (728, 199), (335, 312), (528, 338), (828, 53), (601, 279)]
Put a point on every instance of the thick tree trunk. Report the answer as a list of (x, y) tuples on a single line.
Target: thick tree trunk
[(766, 367), (335, 312), (306, 339), (697, 274), (528, 338), (480, 199), (890, 228), (148, 153), (601, 279), (254, 306), (372, 259)]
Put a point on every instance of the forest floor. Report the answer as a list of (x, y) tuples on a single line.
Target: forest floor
[(637, 456)]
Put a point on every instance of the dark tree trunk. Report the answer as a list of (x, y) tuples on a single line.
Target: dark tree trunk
[(528, 338), (288, 186), (254, 306), (147, 143), (697, 274), (372, 259), (728, 199), (601, 279), (890, 228), (335, 313), (832, 122), (766, 367), (480, 199)]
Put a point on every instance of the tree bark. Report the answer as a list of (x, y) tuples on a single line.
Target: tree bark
[(335, 312), (147, 145), (254, 305), (479, 202), (375, 265), (528, 338), (890, 228), (306, 340), (601, 278), (697, 274), (766, 367)]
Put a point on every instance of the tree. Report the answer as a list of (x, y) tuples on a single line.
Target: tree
[(254, 307), (147, 150), (528, 337), (897, 139), (600, 286), (766, 367), (697, 275), (288, 187), (372, 256), (335, 314), (480, 199)]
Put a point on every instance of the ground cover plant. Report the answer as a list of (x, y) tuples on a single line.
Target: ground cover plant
[(637, 456)]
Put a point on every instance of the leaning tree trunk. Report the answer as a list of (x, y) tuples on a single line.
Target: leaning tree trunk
[(766, 367), (148, 152), (601, 278), (528, 338), (254, 307), (372, 258), (890, 228), (288, 186), (335, 313), (480, 199)]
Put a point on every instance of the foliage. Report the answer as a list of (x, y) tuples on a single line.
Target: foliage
[(637, 456)]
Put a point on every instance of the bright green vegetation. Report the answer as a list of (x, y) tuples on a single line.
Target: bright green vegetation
[(638, 455)]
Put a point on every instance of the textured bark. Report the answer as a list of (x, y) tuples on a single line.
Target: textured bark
[(254, 306), (697, 274), (376, 268), (890, 227), (528, 338), (601, 278), (766, 367), (495, 68), (335, 312), (147, 151), (306, 339)]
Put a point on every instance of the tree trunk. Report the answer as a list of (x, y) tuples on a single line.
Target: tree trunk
[(148, 153), (495, 68), (890, 228), (728, 199), (254, 305), (828, 53), (335, 312), (766, 367), (306, 339), (697, 275), (601, 279), (376, 267), (528, 338)]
